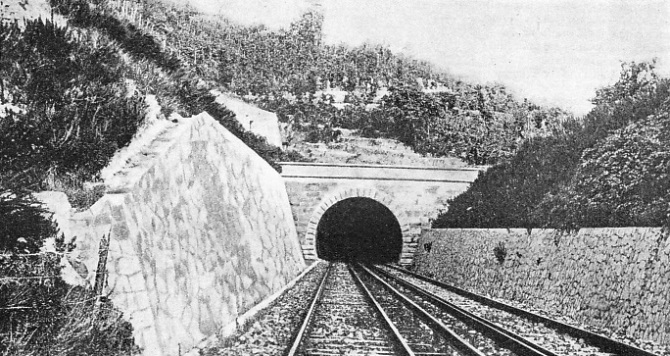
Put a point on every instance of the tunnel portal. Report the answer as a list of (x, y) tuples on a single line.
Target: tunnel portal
[(359, 229)]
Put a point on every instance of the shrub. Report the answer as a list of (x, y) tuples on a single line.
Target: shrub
[(82, 13), (24, 226), (41, 314), (478, 124), (610, 169), (500, 252), (77, 112), (623, 181), (506, 194), (196, 100)]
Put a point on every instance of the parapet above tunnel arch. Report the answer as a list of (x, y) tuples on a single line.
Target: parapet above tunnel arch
[(309, 247)]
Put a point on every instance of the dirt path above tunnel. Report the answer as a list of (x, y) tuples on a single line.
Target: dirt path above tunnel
[(354, 149)]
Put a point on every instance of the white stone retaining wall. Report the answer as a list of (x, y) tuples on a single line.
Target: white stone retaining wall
[(201, 231), (616, 278)]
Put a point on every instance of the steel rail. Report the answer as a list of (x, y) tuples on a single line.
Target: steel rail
[(297, 340), (458, 342), (396, 333), (603, 342), (510, 340)]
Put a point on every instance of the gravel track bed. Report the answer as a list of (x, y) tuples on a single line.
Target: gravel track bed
[(536, 332), (646, 345), (473, 337), (420, 337), (344, 322), (272, 331)]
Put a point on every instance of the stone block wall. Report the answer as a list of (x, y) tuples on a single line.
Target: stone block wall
[(412, 203), (616, 278), (200, 231)]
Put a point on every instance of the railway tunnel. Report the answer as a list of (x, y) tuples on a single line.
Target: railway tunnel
[(359, 229)]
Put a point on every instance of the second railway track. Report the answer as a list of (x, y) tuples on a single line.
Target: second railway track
[(359, 310), (556, 338)]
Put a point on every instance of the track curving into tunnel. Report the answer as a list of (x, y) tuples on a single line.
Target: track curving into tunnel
[(359, 230)]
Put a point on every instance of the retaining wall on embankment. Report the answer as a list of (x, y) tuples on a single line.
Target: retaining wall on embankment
[(616, 278), (200, 231)]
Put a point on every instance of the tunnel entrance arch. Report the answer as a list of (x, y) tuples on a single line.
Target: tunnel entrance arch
[(359, 229), (310, 243)]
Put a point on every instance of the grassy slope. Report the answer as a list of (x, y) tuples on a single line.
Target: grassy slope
[(70, 84)]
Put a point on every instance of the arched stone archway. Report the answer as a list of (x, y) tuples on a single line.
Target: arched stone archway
[(309, 249), (359, 230), (413, 194)]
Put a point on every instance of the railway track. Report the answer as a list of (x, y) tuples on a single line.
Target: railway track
[(344, 320), (467, 335), (361, 310), (554, 337)]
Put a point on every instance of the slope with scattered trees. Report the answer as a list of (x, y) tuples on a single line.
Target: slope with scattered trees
[(609, 169), (285, 71)]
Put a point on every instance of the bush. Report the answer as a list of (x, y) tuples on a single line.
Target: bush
[(500, 252), (506, 194), (82, 13), (41, 314), (196, 100), (480, 124), (76, 113), (24, 225), (623, 181), (610, 169)]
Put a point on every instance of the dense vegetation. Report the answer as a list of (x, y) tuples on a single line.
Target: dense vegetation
[(40, 313), (73, 105), (75, 108), (609, 169), (286, 70), (257, 60), (482, 125)]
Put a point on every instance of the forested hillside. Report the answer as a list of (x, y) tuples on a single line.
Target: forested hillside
[(286, 70), (609, 169)]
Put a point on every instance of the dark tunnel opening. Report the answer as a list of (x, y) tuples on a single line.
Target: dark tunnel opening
[(361, 230)]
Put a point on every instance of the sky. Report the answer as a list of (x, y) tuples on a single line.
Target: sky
[(552, 52)]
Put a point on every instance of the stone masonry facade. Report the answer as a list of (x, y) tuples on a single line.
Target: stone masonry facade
[(616, 278), (411, 203), (200, 231)]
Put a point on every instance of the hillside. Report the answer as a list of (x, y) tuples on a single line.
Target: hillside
[(290, 71), (351, 148), (393, 110), (76, 93), (609, 169)]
